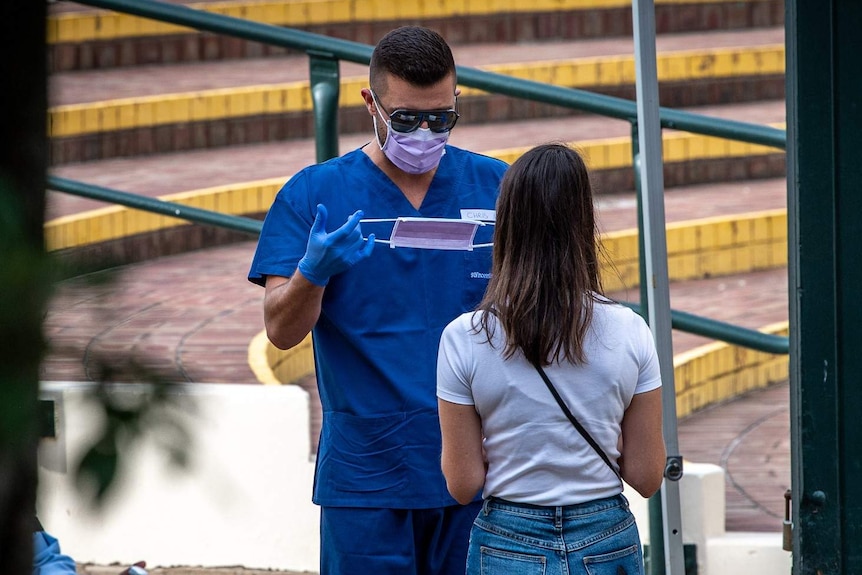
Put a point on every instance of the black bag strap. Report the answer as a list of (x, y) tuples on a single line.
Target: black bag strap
[(575, 422)]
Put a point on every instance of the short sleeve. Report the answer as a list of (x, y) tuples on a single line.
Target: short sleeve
[(649, 370), (453, 369), (284, 236)]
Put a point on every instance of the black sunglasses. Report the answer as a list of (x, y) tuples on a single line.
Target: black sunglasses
[(406, 121)]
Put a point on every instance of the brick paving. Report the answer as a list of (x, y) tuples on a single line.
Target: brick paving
[(750, 438)]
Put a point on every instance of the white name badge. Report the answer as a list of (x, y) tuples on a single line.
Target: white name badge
[(481, 215)]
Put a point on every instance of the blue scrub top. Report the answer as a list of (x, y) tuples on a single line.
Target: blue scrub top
[(377, 336)]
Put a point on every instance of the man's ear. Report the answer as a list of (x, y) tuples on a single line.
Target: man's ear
[(369, 101)]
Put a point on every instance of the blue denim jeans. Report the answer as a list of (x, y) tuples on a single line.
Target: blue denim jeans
[(594, 538)]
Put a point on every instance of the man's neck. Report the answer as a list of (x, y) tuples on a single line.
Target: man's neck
[(413, 186)]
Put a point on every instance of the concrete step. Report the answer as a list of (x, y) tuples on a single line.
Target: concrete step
[(139, 111), (82, 38), (162, 174), (152, 80)]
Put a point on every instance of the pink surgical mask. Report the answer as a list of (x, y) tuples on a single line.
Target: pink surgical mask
[(414, 152)]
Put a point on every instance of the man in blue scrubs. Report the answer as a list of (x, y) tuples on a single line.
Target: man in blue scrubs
[(376, 315)]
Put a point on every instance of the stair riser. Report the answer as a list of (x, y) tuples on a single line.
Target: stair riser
[(508, 28), (475, 110)]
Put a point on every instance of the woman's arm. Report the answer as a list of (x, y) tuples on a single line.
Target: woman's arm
[(643, 452), (462, 460)]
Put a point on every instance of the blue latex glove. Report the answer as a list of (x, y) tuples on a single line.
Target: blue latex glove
[(330, 254)]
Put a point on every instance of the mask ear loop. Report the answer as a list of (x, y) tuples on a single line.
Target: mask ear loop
[(387, 121), (486, 223), (377, 221)]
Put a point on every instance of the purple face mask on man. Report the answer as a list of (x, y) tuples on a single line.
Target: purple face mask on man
[(415, 152)]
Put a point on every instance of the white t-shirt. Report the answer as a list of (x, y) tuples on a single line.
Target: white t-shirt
[(535, 454)]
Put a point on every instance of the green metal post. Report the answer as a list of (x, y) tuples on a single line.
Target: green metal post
[(656, 517), (824, 114), (636, 159), (324, 97)]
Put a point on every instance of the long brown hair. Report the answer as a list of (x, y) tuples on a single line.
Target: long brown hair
[(545, 272)]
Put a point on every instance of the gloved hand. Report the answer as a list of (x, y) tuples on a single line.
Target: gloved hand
[(330, 254)]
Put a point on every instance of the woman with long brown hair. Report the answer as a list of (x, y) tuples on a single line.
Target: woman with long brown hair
[(549, 393)]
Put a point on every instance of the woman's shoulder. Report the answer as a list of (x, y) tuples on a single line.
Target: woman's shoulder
[(469, 328), (466, 322), (616, 312)]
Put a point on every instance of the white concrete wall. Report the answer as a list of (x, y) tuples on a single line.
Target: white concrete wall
[(737, 553), (246, 500)]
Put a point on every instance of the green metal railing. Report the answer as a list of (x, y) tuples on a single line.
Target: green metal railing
[(324, 55), (138, 202)]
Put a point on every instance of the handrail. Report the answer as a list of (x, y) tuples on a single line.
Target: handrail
[(138, 202), (316, 45), (726, 332), (620, 108)]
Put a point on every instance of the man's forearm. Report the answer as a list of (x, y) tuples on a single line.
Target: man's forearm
[(291, 307)]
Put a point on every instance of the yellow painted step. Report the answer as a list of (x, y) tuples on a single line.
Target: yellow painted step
[(148, 111), (88, 26), (255, 197)]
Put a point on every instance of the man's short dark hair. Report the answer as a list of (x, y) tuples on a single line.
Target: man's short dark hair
[(415, 54)]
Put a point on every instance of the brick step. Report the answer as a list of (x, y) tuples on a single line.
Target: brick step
[(696, 159), (82, 38), (122, 113), (88, 86), (243, 180)]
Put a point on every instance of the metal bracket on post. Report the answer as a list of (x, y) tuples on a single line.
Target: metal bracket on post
[(325, 86), (787, 524), (673, 467)]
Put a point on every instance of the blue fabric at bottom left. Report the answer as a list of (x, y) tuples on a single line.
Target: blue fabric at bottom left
[(47, 558)]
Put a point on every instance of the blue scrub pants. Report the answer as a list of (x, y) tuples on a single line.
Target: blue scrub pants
[(356, 540)]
